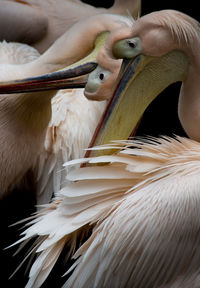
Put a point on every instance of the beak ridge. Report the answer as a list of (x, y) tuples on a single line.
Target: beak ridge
[(63, 79)]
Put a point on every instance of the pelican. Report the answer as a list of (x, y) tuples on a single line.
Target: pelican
[(63, 139), (40, 23), (142, 207), (67, 134), (56, 148), (14, 164)]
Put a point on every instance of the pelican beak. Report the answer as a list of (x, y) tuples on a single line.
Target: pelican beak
[(74, 76), (140, 81), (62, 79)]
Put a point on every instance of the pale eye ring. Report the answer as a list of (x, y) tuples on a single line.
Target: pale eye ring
[(131, 44)]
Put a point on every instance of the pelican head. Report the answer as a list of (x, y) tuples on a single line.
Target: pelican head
[(158, 50), (101, 81)]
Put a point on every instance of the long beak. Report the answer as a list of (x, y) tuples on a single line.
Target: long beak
[(140, 81), (63, 79), (74, 76)]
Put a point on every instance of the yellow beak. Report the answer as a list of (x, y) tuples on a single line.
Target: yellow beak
[(140, 81)]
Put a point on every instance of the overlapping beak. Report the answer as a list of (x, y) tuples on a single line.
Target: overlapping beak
[(74, 76), (63, 79), (140, 81)]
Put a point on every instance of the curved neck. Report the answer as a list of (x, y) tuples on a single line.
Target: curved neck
[(189, 98), (128, 105), (79, 41), (189, 104)]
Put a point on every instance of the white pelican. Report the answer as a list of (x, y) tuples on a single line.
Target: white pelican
[(68, 134), (41, 22), (144, 205), (68, 109), (13, 148), (63, 141)]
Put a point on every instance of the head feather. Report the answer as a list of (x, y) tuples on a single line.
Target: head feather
[(182, 27)]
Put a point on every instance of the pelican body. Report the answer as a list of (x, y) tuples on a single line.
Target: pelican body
[(157, 242), (142, 205)]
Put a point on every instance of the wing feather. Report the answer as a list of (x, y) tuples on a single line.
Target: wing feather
[(146, 227)]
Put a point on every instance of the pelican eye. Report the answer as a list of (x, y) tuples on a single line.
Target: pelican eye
[(127, 48), (96, 79)]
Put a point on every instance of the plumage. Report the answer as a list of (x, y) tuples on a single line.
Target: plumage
[(12, 54), (149, 216), (40, 23), (23, 134), (68, 134), (145, 224), (48, 171)]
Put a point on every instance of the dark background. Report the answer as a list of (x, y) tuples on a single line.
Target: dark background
[(159, 119)]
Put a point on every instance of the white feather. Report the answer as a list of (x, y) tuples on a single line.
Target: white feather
[(66, 138), (145, 228)]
